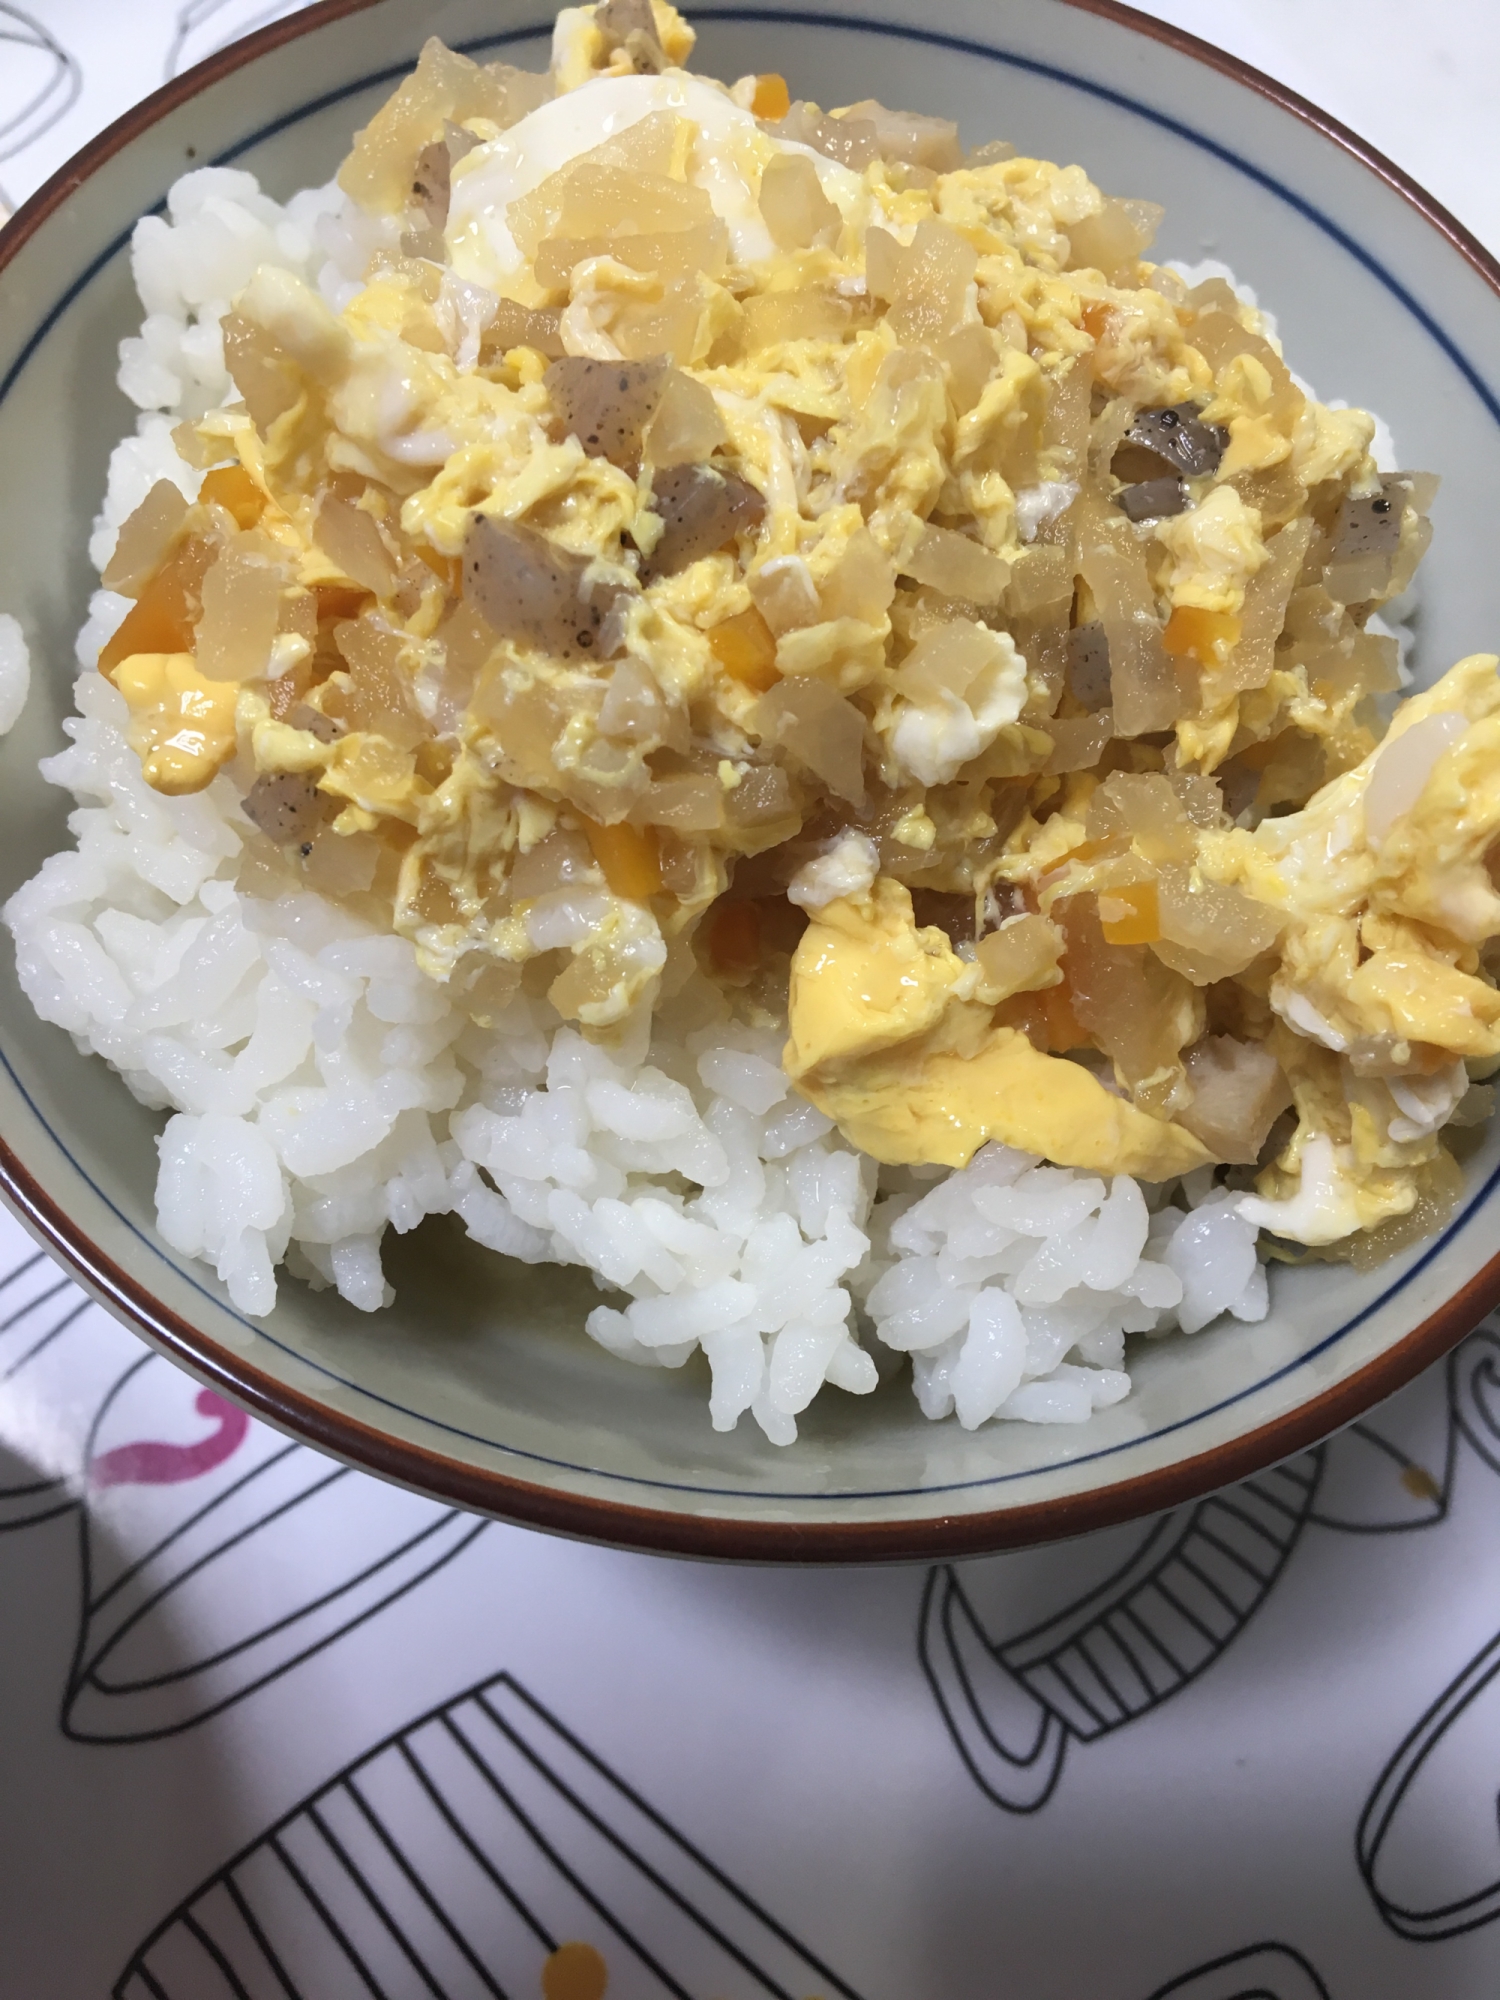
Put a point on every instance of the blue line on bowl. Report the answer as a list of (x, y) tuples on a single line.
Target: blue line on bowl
[(858, 25)]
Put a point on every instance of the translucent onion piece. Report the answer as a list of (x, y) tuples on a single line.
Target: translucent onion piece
[(350, 539), (1021, 957), (763, 797), (342, 864), (563, 860), (948, 659), (688, 804), (163, 617), (287, 807), (862, 583), (264, 375), (601, 194), (606, 405), (785, 594), (635, 710), (1066, 431), (1222, 926), (380, 698), (926, 281), (958, 566), (1127, 1001), (1263, 616), (1113, 240), (687, 427), (701, 509), (1143, 687), (968, 359), (144, 539), (527, 587), (1145, 809), (1039, 578), (241, 611), (380, 171), (911, 136), (820, 730), (1239, 1091), (518, 326), (810, 313), (850, 141), (1078, 741), (797, 212), (1220, 339), (669, 253)]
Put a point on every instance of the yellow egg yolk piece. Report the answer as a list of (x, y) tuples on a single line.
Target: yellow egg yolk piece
[(181, 725), (889, 1041)]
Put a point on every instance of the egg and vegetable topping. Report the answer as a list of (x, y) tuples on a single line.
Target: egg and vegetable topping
[(726, 534)]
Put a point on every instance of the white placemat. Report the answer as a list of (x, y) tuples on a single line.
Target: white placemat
[(270, 1728)]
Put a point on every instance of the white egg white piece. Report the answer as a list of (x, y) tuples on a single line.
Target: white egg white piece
[(727, 163)]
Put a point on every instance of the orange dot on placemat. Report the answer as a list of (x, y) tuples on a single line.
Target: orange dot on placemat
[(574, 1972)]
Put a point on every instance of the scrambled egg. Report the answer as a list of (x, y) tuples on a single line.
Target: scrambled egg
[(716, 535)]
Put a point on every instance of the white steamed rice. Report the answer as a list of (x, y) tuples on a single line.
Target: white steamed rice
[(323, 1090)]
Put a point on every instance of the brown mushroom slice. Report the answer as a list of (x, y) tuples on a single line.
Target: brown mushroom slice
[(1088, 666), (1239, 1091), (607, 405), (287, 807), (529, 588), (701, 508), (1153, 499), (1179, 436), (1367, 540)]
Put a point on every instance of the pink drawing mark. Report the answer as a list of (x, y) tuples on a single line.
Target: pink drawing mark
[(153, 1463)]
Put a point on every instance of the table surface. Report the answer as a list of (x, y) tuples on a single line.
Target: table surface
[(270, 1728)]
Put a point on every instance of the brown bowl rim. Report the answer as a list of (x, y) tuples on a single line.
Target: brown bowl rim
[(657, 1530)]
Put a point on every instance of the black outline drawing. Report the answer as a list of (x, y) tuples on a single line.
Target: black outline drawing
[(53, 101), (1474, 1390), (1186, 1590), (196, 14), (268, 1491), (1258, 1972), (38, 1308), (454, 1859), (1164, 1616)]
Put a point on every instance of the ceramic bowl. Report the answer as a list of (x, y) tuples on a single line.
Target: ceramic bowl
[(479, 1385)]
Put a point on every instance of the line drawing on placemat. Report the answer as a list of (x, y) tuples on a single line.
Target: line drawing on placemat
[(1442, 1779), (203, 27), (484, 1849), (1259, 1972), (1014, 1695), (46, 1323), (1187, 1588), (257, 1534), (39, 83)]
